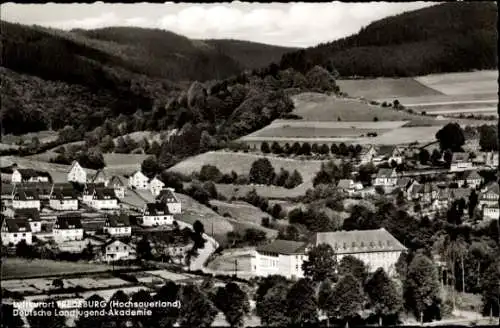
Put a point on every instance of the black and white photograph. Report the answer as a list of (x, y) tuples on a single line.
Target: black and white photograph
[(249, 164)]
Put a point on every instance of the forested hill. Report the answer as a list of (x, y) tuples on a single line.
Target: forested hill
[(449, 37)]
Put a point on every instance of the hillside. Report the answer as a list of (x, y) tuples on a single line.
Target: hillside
[(449, 37)]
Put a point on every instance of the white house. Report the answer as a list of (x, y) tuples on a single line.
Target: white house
[(489, 195), (386, 178), (156, 185), (104, 199), (376, 248), (138, 181), (67, 228), (470, 179), (89, 191), (167, 196), (280, 257), (156, 214), (32, 215), (116, 250), (389, 154), (118, 225), (367, 155), (101, 178), (491, 159), (77, 173), (460, 162), (349, 186), (63, 200), (24, 198), (29, 176), (119, 184), (15, 230), (491, 212)]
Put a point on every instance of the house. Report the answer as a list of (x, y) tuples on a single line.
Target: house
[(29, 175), (89, 191), (489, 195), (63, 200), (447, 196), (280, 257), (67, 228), (118, 225), (43, 189), (115, 250), (390, 154), (491, 212), (100, 178), (7, 191), (491, 159), (386, 178), (25, 198), (14, 231), (138, 181), (367, 155), (471, 179), (349, 186), (156, 185), (104, 199), (426, 192), (404, 184), (376, 248), (156, 214), (77, 173), (119, 184), (32, 215), (460, 162), (167, 196)]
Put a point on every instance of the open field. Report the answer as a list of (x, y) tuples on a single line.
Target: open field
[(477, 82), (19, 268), (271, 192), (226, 261), (321, 107), (385, 88), (242, 162), (123, 163), (43, 137)]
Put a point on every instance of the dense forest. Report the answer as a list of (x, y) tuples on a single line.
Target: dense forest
[(449, 37)]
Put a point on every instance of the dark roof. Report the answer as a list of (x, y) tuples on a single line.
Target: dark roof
[(63, 185), (17, 225), (69, 222), (7, 188), (91, 187), (121, 220), (386, 150), (404, 182), (118, 180), (359, 241), (286, 247), (43, 188), (31, 214), (26, 195), (167, 196), (460, 157), (425, 188), (156, 209), (100, 174), (104, 193), (61, 194), (385, 173)]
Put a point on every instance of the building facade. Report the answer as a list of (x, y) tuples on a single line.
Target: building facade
[(167, 196), (116, 250), (119, 184), (67, 228), (156, 214), (14, 231), (77, 173), (138, 181), (118, 225), (25, 199), (155, 186), (63, 200), (280, 257)]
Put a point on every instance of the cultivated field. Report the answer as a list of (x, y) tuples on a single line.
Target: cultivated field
[(19, 268), (385, 88), (478, 82), (242, 162)]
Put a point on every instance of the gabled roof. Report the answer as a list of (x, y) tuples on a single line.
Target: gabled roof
[(366, 150), (104, 193), (116, 241), (67, 222), (7, 188), (30, 214), (359, 241), (118, 180), (385, 173), (156, 209), (121, 220), (404, 182), (386, 150), (100, 175), (139, 172), (90, 188), (167, 196), (25, 195), (42, 188), (492, 188), (285, 247), (75, 163), (458, 193), (156, 180), (17, 225), (62, 194), (345, 183), (31, 173)]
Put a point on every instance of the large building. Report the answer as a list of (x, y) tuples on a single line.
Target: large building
[(118, 225), (376, 248), (167, 196), (63, 200), (156, 214), (68, 228), (138, 181), (14, 231), (29, 175), (77, 173), (26, 199)]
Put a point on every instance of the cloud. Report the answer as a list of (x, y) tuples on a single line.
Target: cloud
[(292, 24)]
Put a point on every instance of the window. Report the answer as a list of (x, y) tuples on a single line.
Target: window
[(353, 244), (24, 235), (15, 235)]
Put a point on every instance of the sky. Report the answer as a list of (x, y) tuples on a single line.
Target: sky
[(287, 24)]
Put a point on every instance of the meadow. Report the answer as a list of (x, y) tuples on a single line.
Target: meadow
[(477, 82), (43, 137), (20, 268), (385, 88)]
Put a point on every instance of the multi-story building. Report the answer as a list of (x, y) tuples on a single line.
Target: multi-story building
[(101, 178), (67, 228), (29, 176), (280, 257), (25, 198), (63, 200), (116, 250), (167, 196), (14, 231), (119, 184), (104, 199), (489, 195), (460, 162), (77, 173), (32, 215), (155, 186), (470, 179), (118, 225), (386, 178), (138, 181), (156, 214)]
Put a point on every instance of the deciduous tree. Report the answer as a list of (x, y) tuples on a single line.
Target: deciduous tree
[(321, 263)]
